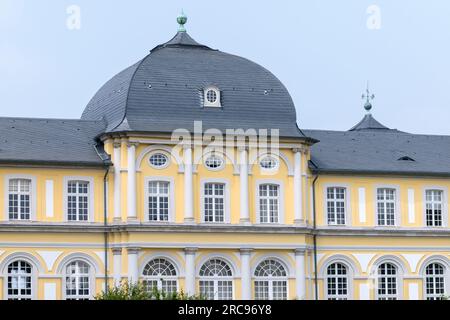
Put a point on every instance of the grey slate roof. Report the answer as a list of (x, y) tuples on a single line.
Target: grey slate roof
[(369, 123), (163, 92), (379, 151), (51, 141)]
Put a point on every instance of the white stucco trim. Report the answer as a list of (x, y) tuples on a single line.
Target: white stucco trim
[(226, 182), (281, 200), (91, 197), (285, 262), (172, 211), (227, 156), (33, 195), (411, 206), (444, 205), (163, 149), (255, 158), (49, 257), (203, 258), (402, 272), (436, 258), (352, 272)]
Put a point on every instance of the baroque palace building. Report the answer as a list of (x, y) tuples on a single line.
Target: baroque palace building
[(140, 188)]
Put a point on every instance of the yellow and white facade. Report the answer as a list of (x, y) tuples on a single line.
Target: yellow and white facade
[(232, 223)]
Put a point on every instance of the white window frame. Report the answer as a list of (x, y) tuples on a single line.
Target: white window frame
[(348, 211), (347, 278), (218, 278), (398, 209), (425, 276), (399, 278), (270, 279), (32, 275), (159, 278), (215, 104), (226, 199), (163, 152), (216, 155), (444, 191), (171, 182), (90, 277), (281, 201), (33, 196), (91, 199)]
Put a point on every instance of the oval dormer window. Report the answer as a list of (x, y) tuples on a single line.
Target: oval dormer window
[(268, 163), (158, 160), (214, 162), (212, 97)]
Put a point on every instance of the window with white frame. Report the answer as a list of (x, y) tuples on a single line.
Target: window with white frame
[(160, 274), (158, 160), (78, 286), (434, 208), (216, 280), (434, 281), (387, 282), (214, 162), (269, 203), (337, 281), (77, 200), (20, 285), (158, 200), (211, 97), (19, 199), (270, 281), (214, 202), (386, 206), (336, 205)]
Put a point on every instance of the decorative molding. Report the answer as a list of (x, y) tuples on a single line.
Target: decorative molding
[(49, 257)]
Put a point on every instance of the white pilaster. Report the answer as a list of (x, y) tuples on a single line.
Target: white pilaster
[(298, 184), (243, 174), (300, 276), (133, 272), (131, 192), (117, 184), (190, 270), (188, 194), (117, 265), (246, 274)]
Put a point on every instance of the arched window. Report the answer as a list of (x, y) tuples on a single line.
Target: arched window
[(270, 281), (78, 283), (387, 282), (434, 281), (20, 285), (160, 274), (216, 282), (337, 281)]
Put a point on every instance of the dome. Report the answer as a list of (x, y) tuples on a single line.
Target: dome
[(164, 91)]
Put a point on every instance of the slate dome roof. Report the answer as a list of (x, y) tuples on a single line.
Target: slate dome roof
[(164, 91)]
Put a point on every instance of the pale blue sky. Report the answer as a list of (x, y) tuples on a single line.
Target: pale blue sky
[(321, 50)]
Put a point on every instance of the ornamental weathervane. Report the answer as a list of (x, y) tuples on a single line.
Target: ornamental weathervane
[(369, 97), (182, 19)]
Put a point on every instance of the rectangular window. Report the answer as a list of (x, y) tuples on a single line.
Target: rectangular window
[(386, 206), (269, 203), (78, 201), (19, 199), (158, 201), (336, 208), (434, 207), (214, 202)]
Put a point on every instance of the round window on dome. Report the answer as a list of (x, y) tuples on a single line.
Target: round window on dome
[(268, 163), (159, 160), (212, 97), (214, 162)]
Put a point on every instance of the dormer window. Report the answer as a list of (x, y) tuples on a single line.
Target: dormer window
[(211, 97)]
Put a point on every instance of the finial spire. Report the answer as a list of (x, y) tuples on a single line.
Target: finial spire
[(369, 97), (181, 19)]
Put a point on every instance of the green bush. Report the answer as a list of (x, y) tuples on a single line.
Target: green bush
[(138, 291)]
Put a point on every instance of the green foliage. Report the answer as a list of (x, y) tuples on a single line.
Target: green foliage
[(138, 291)]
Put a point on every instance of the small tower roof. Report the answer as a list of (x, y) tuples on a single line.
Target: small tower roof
[(369, 122)]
